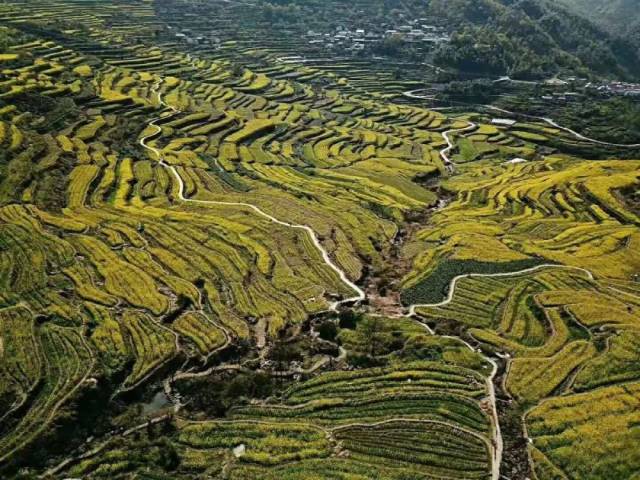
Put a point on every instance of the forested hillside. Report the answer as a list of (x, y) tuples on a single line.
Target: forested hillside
[(529, 38), (618, 16)]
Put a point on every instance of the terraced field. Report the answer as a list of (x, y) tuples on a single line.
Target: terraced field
[(408, 418), (176, 216), (568, 322)]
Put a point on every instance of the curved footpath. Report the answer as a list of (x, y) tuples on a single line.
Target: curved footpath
[(444, 153), (360, 294), (412, 94), (497, 441), (454, 282), (554, 124)]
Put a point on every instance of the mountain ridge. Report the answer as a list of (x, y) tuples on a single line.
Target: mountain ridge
[(532, 37), (619, 17)]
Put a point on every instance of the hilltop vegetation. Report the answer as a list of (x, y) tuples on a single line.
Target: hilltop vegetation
[(529, 38), (620, 17)]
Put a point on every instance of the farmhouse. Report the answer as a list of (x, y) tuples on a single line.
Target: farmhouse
[(503, 122)]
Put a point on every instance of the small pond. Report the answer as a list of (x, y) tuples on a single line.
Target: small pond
[(158, 403)]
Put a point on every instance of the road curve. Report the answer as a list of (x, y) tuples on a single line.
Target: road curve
[(412, 94), (554, 124), (444, 153), (454, 282), (360, 294), (498, 445)]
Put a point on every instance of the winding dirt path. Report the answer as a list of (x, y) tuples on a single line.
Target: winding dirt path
[(454, 282), (444, 153), (360, 294), (496, 445), (554, 124), (412, 94)]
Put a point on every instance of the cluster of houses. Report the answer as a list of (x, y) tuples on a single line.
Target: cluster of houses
[(418, 32), (192, 38), (579, 87), (562, 97), (617, 88)]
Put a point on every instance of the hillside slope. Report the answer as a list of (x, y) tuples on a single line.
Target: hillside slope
[(530, 38), (612, 14)]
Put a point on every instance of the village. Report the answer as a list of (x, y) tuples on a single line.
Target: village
[(573, 89), (616, 88), (421, 34)]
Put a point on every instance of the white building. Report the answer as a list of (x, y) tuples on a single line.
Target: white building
[(503, 122)]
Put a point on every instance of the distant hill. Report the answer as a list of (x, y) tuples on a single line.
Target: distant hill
[(620, 17), (611, 14), (531, 38)]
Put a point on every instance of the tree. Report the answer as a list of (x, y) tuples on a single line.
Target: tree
[(349, 319), (169, 459), (328, 330), (391, 46), (370, 329)]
